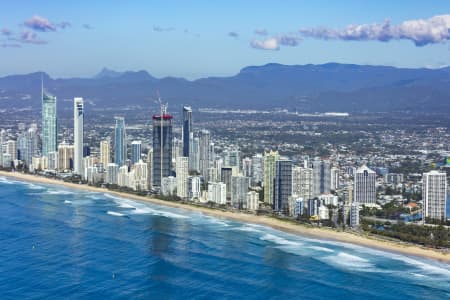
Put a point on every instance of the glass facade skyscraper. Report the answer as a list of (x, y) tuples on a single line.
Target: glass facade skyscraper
[(187, 128), (282, 186), (162, 147), (120, 144), (136, 150), (49, 124)]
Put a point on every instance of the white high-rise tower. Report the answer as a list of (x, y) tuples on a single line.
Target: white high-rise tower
[(434, 195), (78, 118)]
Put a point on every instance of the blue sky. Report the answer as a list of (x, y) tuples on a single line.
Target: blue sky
[(195, 39)]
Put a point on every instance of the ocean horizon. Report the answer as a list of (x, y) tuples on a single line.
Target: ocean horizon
[(60, 243)]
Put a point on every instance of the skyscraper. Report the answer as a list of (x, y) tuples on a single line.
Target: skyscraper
[(434, 195), (32, 144), (257, 169), (105, 153), (162, 147), (239, 189), (365, 190), (187, 128), (282, 186), (269, 174), (204, 141), (194, 152), (136, 151), (302, 181), (49, 124), (321, 177), (78, 120), (120, 144), (65, 156), (182, 176)]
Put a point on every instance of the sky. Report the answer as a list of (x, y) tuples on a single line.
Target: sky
[(194, 39)]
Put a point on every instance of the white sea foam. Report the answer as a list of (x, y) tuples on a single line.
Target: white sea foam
[(67, 201), (323, 249), (113, 213), (247, 229), (214, 221), (137, 208), (126, 205), (428, 267), (150, 211), (279, 240), (351, 262), (7, 181), (32, 186), (59, 192)]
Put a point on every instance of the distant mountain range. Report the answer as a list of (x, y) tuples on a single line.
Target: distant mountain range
[(305, 88)]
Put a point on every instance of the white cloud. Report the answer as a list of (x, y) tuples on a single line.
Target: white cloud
[(421, 31), (267, 44)]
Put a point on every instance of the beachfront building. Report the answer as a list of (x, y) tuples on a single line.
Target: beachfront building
[(136, 151), (239, 189), (217, 193), (269, 174), (252, 202), (282, 186), (365, 191), (49, 124), (112, 173), (182, 171), (321, 177), (302, 181), (187, 128), (354, 214), (434, 195), (78, 121), (105, 153), (162, 147), (65, 157), (194, 187), (120, 141)]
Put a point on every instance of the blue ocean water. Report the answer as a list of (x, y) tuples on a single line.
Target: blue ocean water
[(57, 243)]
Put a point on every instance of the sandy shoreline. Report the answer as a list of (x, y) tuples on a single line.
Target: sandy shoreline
[(320, 233)]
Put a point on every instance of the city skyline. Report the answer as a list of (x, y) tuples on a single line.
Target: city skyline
[(186, 41)]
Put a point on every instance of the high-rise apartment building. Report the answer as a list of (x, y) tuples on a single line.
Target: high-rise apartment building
[(282, 186), (105, 153), (187, 129), (136, 151), (78, 123), (434, 194), (65, 156), (182, 170), (302, 182), (365, 189), (49, 124), (162, 147), (204, 137), (257, 169), (239, 189), (321, 177), (120, 143), (269, 174)]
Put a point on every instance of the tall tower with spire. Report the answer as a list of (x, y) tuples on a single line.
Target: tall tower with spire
[(162, 145), (49, 122)]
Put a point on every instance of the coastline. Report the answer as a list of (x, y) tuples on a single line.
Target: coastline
[(297, 229)]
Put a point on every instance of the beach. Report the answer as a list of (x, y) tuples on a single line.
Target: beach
[(302, 230)]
